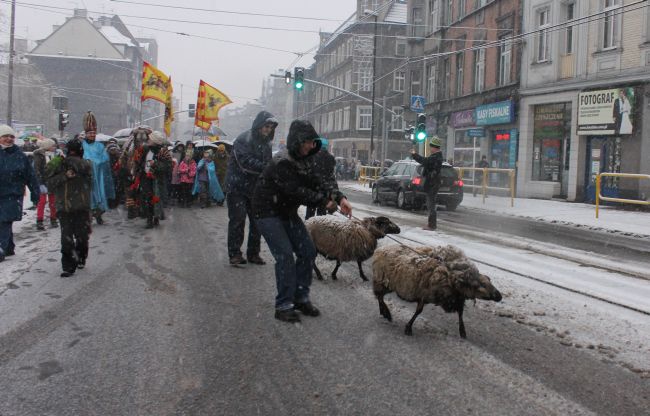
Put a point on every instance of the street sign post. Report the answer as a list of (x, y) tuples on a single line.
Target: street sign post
[(417, 103)]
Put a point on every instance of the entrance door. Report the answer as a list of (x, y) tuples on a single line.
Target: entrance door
[(564, 171), (603, 155)]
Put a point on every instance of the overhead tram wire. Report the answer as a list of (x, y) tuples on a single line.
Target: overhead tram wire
[(514, 38)]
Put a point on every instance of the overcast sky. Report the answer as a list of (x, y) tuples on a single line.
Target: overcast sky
[(235, 69)]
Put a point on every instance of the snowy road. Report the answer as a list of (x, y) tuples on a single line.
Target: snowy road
[(159, 324)]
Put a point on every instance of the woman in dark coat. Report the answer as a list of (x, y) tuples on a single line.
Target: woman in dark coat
[(16, 172), (286, 183)]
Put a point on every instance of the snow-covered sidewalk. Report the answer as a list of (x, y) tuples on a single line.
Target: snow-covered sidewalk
[(614, 220)]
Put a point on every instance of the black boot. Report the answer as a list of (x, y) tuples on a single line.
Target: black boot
[(149, 223), (39, 225), (54, 223)]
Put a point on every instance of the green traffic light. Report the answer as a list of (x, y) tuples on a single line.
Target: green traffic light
[(421, 136), (299, 85)]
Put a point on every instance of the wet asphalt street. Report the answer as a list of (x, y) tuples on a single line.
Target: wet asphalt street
[(159, 324)]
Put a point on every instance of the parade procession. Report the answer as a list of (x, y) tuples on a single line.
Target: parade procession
[(351, 207)]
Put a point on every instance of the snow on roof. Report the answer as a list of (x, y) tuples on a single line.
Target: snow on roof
[(115, 37), (397, 13)]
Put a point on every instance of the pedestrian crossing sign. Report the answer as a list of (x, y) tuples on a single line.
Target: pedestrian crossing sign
[(417, 103)]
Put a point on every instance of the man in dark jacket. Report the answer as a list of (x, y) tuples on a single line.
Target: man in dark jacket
[(250, 155), (16, 172), (431, 174), (288, 182), (324, 168), (71, 181)]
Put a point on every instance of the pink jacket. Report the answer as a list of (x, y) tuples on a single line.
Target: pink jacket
[(187, 172)]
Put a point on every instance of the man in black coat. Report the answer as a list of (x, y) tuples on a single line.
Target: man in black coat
[(288, 182), (431, 174), (324, 168), (250, 155)]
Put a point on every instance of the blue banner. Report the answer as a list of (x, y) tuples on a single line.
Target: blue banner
[(475, 133)]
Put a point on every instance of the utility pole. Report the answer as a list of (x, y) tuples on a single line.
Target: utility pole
[(374, 78), (10, 77), (384, 133)]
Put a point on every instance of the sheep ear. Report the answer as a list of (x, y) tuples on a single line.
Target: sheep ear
[(376, 231)]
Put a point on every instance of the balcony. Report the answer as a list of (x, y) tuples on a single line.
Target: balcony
[(567, 66)]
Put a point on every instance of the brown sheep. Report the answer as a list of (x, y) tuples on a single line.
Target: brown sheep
[(344, 240), (439, 275)]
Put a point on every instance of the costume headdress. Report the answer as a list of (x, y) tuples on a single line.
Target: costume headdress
[(90, 122)]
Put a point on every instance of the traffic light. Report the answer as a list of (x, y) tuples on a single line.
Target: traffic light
[(408, 133), (299, 78), (421, 128), (287, 77), (63, 120), (191, 110)]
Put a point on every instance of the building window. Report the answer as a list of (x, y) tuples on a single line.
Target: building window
[(610, 24), (400, 47), (446, 64), (346, 118), (348, 81), (505, 59), (416, 83), (417, 23), (568, 35), (551, 134), (369, 5), (399, 80), (479, 70), (543, 22), (397, 119), (434, 16), (431, 83), (364, 117), (449, 11), (460, 73), (462, 8), (365, 79), (479, 3)]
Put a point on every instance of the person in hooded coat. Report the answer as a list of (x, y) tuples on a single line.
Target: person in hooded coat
[(42, 156), (324, 167), (71, 182), (250, 155), (153, 169), (16, 172), (286, 183)]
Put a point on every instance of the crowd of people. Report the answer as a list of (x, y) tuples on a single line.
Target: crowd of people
[(86, 178)]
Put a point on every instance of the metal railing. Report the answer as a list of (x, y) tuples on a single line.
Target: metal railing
[(369, 174), (599, 197), (484, 181)]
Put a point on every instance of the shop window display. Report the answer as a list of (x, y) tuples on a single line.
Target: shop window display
[(552, 127)]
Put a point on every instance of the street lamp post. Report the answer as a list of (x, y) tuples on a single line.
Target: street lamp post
[(10, 75), (374, 78)]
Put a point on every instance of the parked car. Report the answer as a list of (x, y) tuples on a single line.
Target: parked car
[(402, 184)]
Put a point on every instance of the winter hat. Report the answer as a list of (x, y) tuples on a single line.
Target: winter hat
[(74, 146), (157, 138), (6, 131), (46, 144), (435, 142)]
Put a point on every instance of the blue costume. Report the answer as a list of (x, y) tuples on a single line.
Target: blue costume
[(214, 189), (103, 188)]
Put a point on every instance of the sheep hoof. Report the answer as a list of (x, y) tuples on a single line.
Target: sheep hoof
[(463, 335), (364, 278), (334, 277), (408, 331), (387, 316)]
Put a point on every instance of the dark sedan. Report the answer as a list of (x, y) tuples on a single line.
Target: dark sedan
[(402, 184)]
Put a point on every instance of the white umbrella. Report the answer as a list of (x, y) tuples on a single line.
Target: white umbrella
[(102, 138), (205, 143), (123, 133)]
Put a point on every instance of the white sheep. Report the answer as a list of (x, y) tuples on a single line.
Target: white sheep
[(440, 275), (347, 240)]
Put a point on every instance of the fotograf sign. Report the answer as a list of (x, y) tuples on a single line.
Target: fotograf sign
[(606, 112), (495, 113)]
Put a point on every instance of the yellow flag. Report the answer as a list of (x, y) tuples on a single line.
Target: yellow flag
[(209, 102), (205, 125), (169, 111), (155, 84)]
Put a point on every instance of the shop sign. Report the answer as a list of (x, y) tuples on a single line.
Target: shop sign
[(606, 112), (475, 133), (495, 113), (463, 119)]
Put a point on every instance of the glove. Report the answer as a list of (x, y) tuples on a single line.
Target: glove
[(43, 189)]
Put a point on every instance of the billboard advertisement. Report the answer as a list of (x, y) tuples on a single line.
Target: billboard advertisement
[(606, 112)]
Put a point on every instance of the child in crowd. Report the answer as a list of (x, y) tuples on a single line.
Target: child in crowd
[(186, 173), (206, 183)]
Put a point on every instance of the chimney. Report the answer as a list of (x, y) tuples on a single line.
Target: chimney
[(80, 13)]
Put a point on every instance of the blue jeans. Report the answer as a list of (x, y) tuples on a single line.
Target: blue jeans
[(292, 275), (6, 238)]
